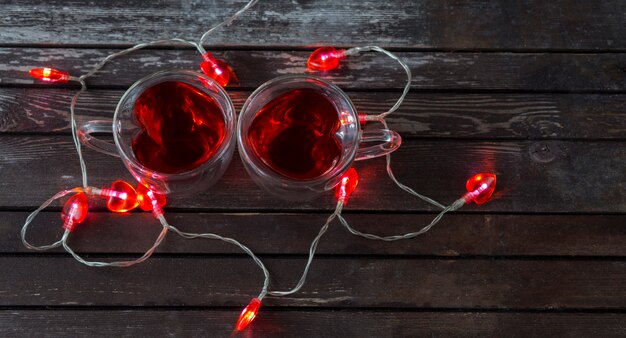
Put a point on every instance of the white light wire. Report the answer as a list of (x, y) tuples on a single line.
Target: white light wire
[(83, 167), (223, 23), (34, 214), (454, 206), (312, 250), (381, 117), (247, 250), (358, 50)]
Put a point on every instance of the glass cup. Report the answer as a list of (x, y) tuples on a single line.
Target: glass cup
[(352, 141), (125, 128)]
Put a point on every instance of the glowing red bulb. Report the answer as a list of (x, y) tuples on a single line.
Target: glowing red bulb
[(49, 75), (216, 69), (122, 197), (146, 202), (74, 211), (346, 186), (325, 58), (480, 187), (248, 314)]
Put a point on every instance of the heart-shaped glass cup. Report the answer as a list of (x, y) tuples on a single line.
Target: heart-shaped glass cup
[(299, 134), (173, 130)]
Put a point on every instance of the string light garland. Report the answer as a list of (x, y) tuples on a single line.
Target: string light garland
[(479, 187), (121, 197), (328, 58)]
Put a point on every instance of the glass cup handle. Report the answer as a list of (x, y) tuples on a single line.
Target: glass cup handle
[(389, 141), (97, 126)]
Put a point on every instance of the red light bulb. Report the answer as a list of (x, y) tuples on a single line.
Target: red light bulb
[(346, 186), (74, 211), (144, 200), (480, 187), (248, 314), (122, 197), (49, 75), (216, 69), (325, 58)]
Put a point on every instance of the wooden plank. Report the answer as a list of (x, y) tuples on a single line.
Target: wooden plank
[(431, 70), (302, 323), (450, 24), (332, 282), (533, 176), (488, 115), (456, 235)]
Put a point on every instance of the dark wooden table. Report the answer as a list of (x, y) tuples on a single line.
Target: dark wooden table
[(531, 90)]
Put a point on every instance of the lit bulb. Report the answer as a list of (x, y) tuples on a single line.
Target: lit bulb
[(346, 186), (122, 197), (146, 198), (74, 211), (346, 118), (49, 75), (216, 69), (325, 58), (480, 187), (248, 314)]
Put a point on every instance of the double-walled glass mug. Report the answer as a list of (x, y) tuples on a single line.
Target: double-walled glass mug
[(173, 130), (299, 134)]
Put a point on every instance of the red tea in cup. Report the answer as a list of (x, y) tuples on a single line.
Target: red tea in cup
[(181, 127), (294, 134), (175, 132)]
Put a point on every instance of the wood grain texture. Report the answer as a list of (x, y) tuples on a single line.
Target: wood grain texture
[(431, 71), (456, 235), (527, 24), (534, 91), (431, 115), (332, 282), (533, 176), (302, 323)]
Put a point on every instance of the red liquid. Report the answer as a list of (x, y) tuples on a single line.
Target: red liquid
[(181, 127), (294, 134)]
